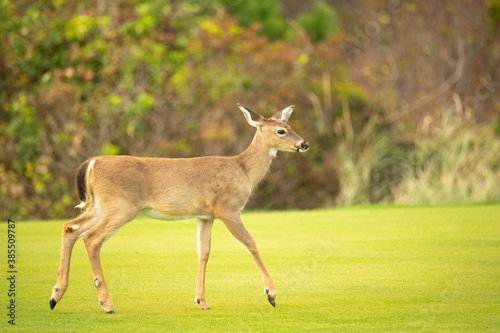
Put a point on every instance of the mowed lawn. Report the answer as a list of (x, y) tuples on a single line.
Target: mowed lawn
[(369, 269)]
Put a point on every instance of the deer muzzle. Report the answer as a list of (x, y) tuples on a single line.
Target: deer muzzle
[(304, 146)]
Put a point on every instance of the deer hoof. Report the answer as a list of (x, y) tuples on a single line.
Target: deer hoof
[(111, 312), (271, 299), (52, 303), (202, 303)]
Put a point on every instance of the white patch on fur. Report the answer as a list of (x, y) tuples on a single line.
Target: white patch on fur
[(87, 184), (286, 113), (82, 234), (81, 205), (198, 237), (87, 179), (89, 168), (206, 236), (273, 152), (248, 116), (75, 227), (97, 206), (112, 234), (96, 210)]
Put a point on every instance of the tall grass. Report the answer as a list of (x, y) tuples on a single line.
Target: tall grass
[(369, 159), (453, 161), (448, 159)]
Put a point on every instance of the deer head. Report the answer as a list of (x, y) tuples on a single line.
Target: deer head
[(275, 131)]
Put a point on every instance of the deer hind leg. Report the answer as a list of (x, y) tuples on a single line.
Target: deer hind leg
[(234, 224), (94, 239), (204, 241), (72, 231)]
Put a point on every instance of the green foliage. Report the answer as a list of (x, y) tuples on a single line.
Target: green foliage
[(494, 14), (320, 22), (78, 28), (267, 13), (110, 149), (22, 127)]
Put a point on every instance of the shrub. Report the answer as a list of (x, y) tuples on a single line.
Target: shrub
[(320, 22), (268, 14)]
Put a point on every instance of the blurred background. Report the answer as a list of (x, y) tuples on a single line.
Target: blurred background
[(399, 100)]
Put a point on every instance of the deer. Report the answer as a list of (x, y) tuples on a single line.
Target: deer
[(114, 189)]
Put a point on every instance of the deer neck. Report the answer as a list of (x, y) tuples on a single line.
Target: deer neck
[(256, 159)]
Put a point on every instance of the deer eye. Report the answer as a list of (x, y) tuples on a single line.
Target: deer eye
[(281, 132)]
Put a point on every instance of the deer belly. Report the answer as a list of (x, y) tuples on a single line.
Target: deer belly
[(158, 215)]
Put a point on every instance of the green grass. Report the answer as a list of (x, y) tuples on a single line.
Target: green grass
[(382, 269)]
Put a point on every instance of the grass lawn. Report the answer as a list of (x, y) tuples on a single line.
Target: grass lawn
[(373, 269)]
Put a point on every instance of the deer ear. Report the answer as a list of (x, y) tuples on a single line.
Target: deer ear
[(284, 115), (252, 117)]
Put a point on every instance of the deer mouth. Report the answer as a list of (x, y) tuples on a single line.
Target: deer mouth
[(304, 146), (300, 150)]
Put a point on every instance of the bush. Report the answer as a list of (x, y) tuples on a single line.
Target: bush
[(268, 14), (494, 14), (320, 22)]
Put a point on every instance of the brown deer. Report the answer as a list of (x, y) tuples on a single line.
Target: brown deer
[(114, 189)]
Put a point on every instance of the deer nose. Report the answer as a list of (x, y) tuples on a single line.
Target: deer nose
[(304, 145)]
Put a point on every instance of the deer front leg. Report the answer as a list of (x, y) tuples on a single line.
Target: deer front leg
[(237, 229), (204, 241)]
